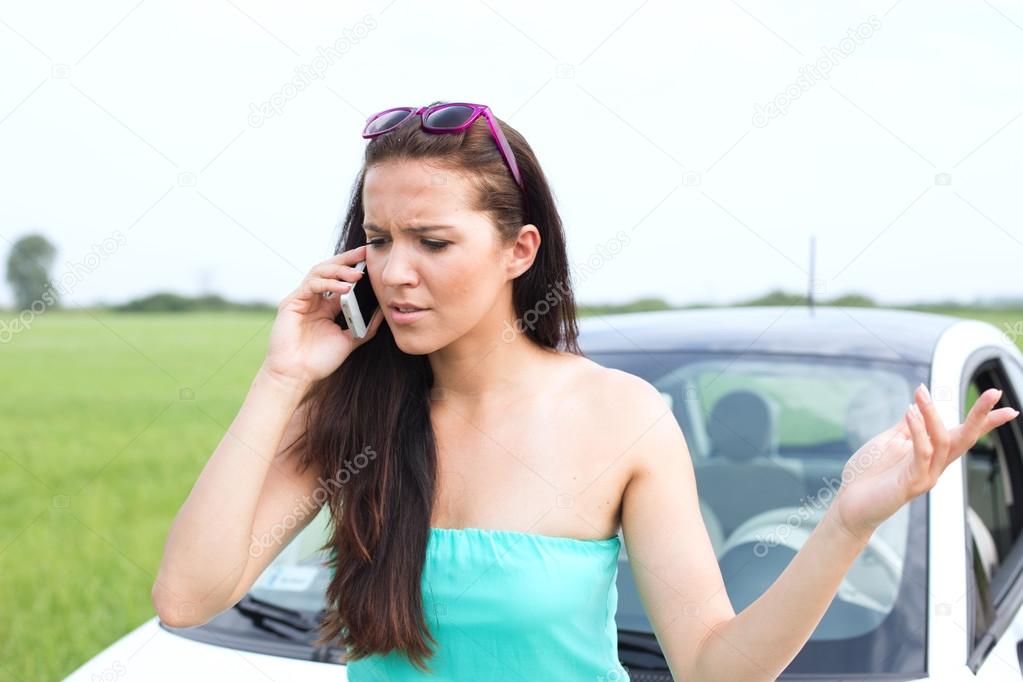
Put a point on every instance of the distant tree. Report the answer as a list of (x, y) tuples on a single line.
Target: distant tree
[(775, 297), (169, 302), (28, 267), (854, 301), (636, 306)]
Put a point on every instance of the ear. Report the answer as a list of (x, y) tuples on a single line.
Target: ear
[(522, 252)]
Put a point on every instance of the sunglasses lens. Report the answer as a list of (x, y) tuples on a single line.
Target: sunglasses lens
[(449, 117), (385, 121)]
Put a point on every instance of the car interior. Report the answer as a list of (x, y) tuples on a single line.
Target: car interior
[(761, 495)]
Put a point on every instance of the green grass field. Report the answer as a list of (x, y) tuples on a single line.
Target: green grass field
[(106, 421)]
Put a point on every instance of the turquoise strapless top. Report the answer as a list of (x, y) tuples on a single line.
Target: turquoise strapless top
[(508, 605)]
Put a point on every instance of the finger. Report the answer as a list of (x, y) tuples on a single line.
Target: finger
[(337, 271), (998, 417), (897, 431), (922, 449), (993, 420), (319, 285), (975, 424), (936, 431), (349, 257)]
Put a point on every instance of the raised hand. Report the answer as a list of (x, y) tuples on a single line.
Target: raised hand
[(306, 344), (905, 460)]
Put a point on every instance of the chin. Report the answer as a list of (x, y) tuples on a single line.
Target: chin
[(408, 343)]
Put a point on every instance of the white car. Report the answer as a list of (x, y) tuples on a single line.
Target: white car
[(773, 401)]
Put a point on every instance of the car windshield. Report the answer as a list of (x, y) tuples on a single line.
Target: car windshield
[(769, 436)]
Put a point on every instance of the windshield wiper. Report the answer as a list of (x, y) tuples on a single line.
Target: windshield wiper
[(271, 617), (291, 632), (640, 650)]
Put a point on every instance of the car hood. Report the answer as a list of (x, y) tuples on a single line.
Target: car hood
[(154, 654)]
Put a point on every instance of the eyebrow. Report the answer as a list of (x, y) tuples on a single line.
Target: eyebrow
[(370, 227)]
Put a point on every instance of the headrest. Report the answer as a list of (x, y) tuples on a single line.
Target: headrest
[(741, 426)]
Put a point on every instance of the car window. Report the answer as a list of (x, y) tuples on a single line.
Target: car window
[(994, 496), (769, 437), (989, 488), (779, 432)]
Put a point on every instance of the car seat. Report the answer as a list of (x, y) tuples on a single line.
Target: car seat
[(739, 479)]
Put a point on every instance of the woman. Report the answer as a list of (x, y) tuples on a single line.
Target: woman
[(477, 467)]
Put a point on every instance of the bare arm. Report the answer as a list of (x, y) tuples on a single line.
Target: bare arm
[(759, 642), (677, 574), (249, 485), (250, 499), (680, 582)]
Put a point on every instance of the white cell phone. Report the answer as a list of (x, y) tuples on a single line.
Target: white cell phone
[(359, 303)]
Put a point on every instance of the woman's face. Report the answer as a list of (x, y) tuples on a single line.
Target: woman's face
[(454, 268)]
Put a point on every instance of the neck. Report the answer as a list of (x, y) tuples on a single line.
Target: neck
[(487, 365)]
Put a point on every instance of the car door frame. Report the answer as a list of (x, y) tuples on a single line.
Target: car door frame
[(1000, 649), (961, 348)]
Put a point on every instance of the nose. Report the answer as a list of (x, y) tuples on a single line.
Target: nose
[(398, 267)]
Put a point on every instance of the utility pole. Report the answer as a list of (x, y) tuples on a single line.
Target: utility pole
[(813, 266)]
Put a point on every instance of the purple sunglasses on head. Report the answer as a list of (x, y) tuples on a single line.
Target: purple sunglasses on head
[(450, 117)]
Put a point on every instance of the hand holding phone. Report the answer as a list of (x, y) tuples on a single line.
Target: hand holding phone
[(308, 339), (359, 303)]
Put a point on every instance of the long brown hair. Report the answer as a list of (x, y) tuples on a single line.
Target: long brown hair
[(377, 401)]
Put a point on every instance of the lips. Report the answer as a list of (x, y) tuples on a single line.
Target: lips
[(400, 318)]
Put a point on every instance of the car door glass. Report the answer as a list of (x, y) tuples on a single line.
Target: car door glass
[(994, 493), (988, 490)]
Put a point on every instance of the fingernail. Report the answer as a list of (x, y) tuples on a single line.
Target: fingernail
[(927, 394), (1015, 413)]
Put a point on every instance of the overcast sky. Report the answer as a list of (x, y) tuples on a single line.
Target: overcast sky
[(718, 136)]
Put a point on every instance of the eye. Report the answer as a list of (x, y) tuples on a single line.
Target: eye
[(431, 244)]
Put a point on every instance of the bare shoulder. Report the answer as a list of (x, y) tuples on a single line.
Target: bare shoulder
[(629, 413), (612, 391)]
